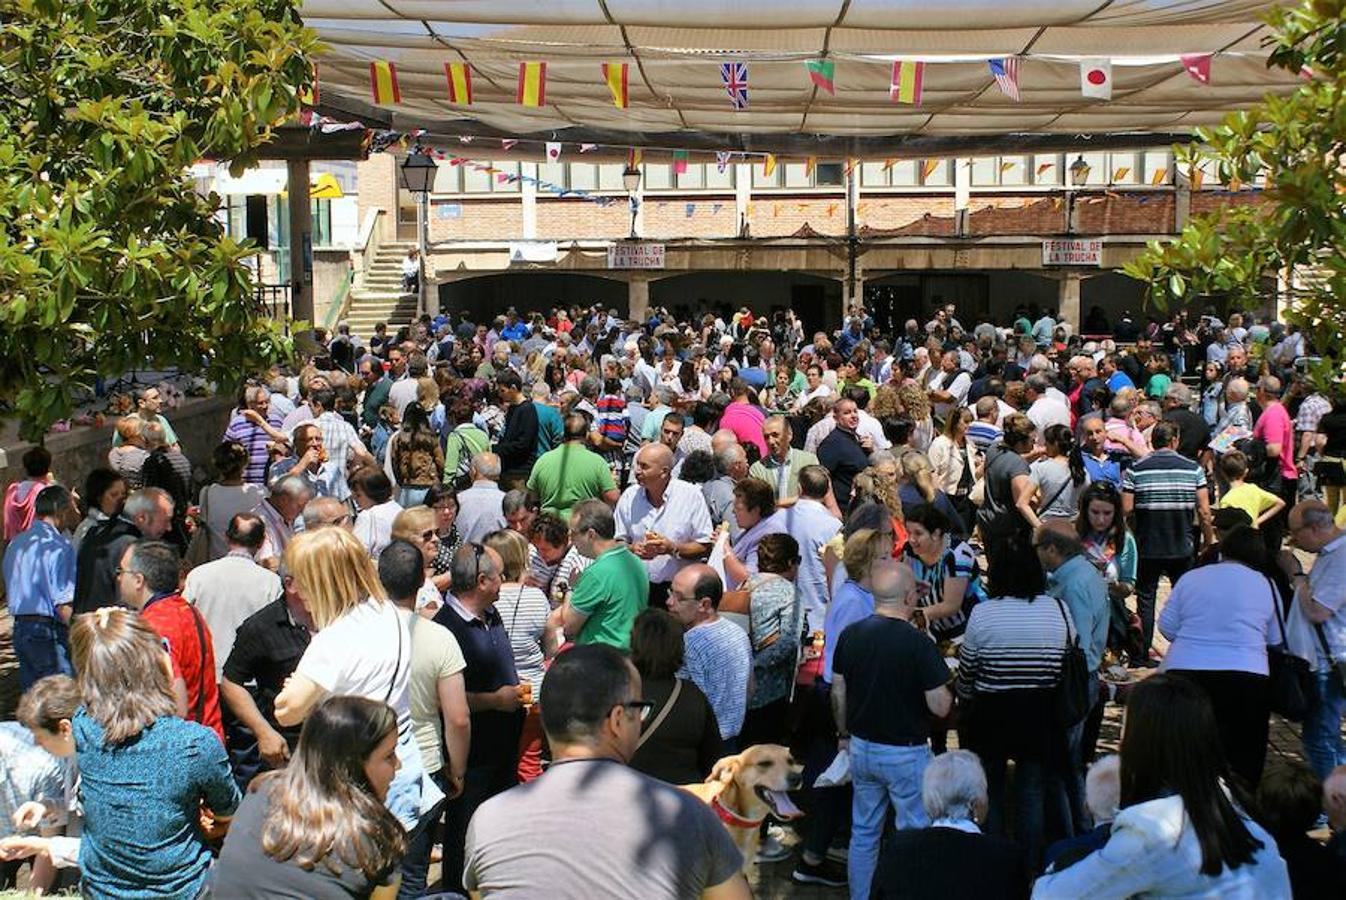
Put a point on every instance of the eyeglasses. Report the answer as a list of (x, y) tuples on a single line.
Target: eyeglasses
[(642, 708), (429, 535)]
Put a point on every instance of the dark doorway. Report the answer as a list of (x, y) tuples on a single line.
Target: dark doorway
[(490, 295)]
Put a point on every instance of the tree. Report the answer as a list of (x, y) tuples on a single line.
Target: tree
[(109, 259), (1297, 141)]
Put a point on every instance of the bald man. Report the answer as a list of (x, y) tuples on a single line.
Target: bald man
[(666, 522), (888, 678), (717, 655)]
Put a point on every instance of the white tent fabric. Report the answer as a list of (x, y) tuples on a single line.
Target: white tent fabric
[(675, 48)]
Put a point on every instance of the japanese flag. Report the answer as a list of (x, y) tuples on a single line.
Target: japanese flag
[(1096, 78), (553, 151)]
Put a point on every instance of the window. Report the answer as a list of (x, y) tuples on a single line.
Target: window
[(1048, 169), (1123, 168), (873, 174), (552, 172), (984, 171), (507, 186), (797, 175), (1014, 170), (475, 181), (905, 173), (940, 173), (583, 176), (717, 179), (830, 174), (1158, 167), (693, 178), (321, 222), (610, 177), (658, 176), (448, 180), (761, 179)]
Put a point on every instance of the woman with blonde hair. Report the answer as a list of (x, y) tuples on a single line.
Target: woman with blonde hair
[(145, 772), (128, 457), (854, 601), (418, 526), (362, 648), (524, 610), (319, 827), (917, 407), (917, 485)]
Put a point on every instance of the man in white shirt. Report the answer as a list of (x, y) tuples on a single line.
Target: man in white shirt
[(1044, 410), (373, 494), (666, 522), (233, 587), (948, 390)]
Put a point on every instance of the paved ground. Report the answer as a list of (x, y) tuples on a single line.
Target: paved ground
[(773, 881)]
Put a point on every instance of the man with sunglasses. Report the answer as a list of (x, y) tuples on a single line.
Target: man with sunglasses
[(590, 822)]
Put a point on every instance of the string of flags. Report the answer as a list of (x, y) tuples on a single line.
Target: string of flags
[(906, 87)]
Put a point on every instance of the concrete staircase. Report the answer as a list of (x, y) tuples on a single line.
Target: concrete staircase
[(378, 295)]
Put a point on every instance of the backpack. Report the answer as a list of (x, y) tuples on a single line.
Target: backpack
[(1262, 469)]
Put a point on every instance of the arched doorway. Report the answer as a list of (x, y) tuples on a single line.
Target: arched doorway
[(815, 299), (487, 296)]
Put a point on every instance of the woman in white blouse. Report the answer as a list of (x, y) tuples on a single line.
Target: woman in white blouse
[(815, 387), (1219, 620)]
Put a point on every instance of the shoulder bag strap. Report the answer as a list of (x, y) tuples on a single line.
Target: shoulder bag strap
[(1280, 613), (397, 666), (663, 713), (1070, 479), (200, 646), (1071, 639)]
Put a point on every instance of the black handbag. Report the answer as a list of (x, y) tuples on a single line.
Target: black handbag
[(1291, 679), (1072, 691)]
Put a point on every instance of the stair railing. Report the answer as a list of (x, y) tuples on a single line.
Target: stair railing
[(372, 234)]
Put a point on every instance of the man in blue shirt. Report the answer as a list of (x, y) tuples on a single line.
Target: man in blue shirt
[(39, 570), (1076, 582)]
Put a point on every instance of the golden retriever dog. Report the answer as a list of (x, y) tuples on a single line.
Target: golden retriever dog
[(744, 789)]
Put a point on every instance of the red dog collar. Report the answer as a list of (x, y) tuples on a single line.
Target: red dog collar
[(733, 819)]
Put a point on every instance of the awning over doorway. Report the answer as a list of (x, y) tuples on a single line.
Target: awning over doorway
[(1171, 65)]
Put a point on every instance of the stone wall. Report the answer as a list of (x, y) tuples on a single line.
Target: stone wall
[(199, 423)]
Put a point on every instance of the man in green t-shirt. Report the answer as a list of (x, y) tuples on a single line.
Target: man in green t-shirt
[(609, 593), (572, 472)]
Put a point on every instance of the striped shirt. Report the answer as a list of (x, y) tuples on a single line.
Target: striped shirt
[(982, 435), (1012, 644), (1164, 485)]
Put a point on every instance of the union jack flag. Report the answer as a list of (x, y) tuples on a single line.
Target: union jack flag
[(735, 78), (1006, 72)]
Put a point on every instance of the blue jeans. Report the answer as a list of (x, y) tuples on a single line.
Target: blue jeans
[(1074, 779), (416, 860), (42, 648), (1039, 795), (882, 774), (1322, 726)]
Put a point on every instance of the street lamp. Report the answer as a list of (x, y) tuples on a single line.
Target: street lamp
[(631, 181), (1079, 174), (418, 177)]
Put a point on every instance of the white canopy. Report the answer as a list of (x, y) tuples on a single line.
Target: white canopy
[(675, 49)]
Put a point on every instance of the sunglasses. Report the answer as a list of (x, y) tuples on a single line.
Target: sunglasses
[(643, 708)]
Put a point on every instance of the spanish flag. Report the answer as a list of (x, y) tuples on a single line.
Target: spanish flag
[(532, 84), (459, 75), (634, 157), (615, 75), (383, 82), (908, 82), (928, 167), (769, 165), (809, 165)]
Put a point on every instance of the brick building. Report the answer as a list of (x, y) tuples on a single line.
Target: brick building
[(967, 231)]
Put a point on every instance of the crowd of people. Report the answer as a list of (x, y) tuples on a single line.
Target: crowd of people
[(484, 594)]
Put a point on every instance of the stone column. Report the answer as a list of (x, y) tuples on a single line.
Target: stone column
[(301, 241), (638, 298), (528, 194), (1068, 300)]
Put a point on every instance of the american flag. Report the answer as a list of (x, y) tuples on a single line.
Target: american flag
[(1006, 72), (735, 78)]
